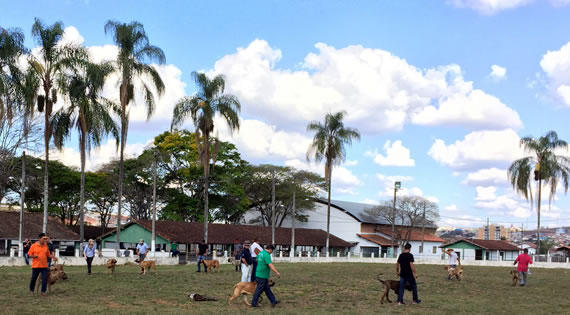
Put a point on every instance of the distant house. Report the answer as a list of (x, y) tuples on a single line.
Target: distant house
[(61, 235), (473, 249), (220, 236), (563, 251), (350, 222), (530, 246)]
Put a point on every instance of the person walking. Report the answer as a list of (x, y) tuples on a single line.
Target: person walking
[(142, 249), (523, 260), (264, 264), (254, 249), (237, 252), (27, 245), (453, 260), (246, 261), (89, 254), (39, 252), (202, 252), (407, 272)]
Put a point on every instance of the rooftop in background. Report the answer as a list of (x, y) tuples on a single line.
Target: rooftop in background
[(486, 244), (33, 223), (91, 231)]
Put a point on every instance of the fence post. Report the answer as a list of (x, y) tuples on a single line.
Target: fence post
[(318, 254), (57, 252), (348, 255), (214, 254), (361, 254), (12, 252), (337, 254), (372, 255), (225, 254), (300, 254)]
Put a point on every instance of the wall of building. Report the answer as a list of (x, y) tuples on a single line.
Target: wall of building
[(132, 234)]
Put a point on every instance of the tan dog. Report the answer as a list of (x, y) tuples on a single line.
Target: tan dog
[(515, 275), (246, 288), (110, 264), (53, 275), (457, 272), (146, 265), (212, 264)]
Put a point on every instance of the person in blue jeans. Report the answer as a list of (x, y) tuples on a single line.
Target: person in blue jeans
[(264, 264), (202, 252), (407, 272), (89, 254)]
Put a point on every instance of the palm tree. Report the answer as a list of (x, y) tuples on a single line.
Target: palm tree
[(11, 48), (134, 51), (329, 145), (203, 107), (544, 165), (89, 113), (51, 62)]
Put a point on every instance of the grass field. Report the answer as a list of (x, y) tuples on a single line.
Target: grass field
[(303, 288)]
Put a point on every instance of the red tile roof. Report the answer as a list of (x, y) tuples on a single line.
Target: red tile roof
[(566, 247), (375, 238), (33, 223), (415, 236), (487, 244), (91, 231)]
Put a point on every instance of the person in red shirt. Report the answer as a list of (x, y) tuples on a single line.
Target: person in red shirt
[(523, 260), (39, 252)]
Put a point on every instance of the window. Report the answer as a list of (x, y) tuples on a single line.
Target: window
[(421, 249), (497, 233), (435, 249), (486, 235)]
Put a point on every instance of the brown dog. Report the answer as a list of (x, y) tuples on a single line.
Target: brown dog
[(393, 285), (515, 275), (246, 288), (146, 265), (212, 264), (457, 272), (110, 264), (53, 275)]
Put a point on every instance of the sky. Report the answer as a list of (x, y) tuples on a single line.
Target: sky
[(441, 91)]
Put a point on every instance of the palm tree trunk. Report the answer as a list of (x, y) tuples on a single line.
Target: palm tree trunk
[(121, 174), (328, 211), (46, 163), (82, 194), (293, 222), (273, 207), (538, 212), (206, 163)]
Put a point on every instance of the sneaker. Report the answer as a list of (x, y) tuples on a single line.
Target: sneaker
[(276, 302), (416, 302), (401, 303)]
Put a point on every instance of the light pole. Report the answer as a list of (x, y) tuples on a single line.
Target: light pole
[(397, 186), (153, 242)]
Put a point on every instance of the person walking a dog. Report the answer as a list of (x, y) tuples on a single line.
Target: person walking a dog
[(255, 249), (453, 260), (142, 249), (407, 272), (39, 252), (523, 260), (264, 264), (89, 254), (202, 252), (246, 261)]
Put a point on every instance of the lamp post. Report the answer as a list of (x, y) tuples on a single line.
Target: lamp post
[(397, 186)]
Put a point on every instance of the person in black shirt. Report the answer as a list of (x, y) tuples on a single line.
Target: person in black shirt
[(27, 245), (246, 261), (51, 249), (407, 272), (202, 252)]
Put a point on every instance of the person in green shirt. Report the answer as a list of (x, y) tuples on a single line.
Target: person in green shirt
[(262, 276), (174, 249)]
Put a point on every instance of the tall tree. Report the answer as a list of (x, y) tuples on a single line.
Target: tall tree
[(11, 48), (88, 113), (52, 60), (329, 144), (202, 108), (135, 51), (547, 168)]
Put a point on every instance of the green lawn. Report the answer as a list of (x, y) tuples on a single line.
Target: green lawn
[(303, 288)]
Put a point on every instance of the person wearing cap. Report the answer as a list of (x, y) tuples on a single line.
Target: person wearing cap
[(453, 260), (246, 261), (142, 249), (264, 265)]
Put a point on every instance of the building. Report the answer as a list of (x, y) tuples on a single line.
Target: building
[(62, 237), (496, 232), (474, 249), (350, 222), (221, 237), (530, 246)]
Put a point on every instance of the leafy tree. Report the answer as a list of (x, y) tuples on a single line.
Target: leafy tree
[(88, 113), (547, 168), (101, 194), (329, 144), (11, 48), (52, 61), (134, 51), (203, 107)]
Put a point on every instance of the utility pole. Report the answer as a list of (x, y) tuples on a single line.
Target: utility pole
[(522, 234), (397, 186), (22, 205), (293, 220), (273, 207), (423, 229), (153, 242)]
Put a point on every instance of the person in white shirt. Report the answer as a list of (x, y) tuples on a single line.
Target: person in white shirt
[(254, 249), (453, 259)]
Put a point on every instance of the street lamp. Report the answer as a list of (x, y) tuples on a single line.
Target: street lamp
[(397, 186)]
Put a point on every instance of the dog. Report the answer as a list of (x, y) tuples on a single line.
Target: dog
[(393, 285), (515, 275), (235, 262), (146, 265), (53, 276), (246, 288), (110, 264), (212, 264), (457, 272)]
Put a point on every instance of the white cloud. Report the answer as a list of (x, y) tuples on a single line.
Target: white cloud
[(378, 85), (498, 72), (351, 163), (556, 65), (369, 201), (406, 189), (559, 3), (450, 208), (478, 149), (343, 180), (486, 193), (396, 155), (487, 177), (489, 7)]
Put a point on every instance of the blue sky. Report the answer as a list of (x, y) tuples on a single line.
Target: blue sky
[(414, 76)]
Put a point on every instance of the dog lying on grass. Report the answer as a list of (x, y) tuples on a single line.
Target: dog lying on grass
[(515, 275), (54, 275), (457, 272), (246, 288), (393, 285), (110, 264), (212, 264), (146, 265)]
